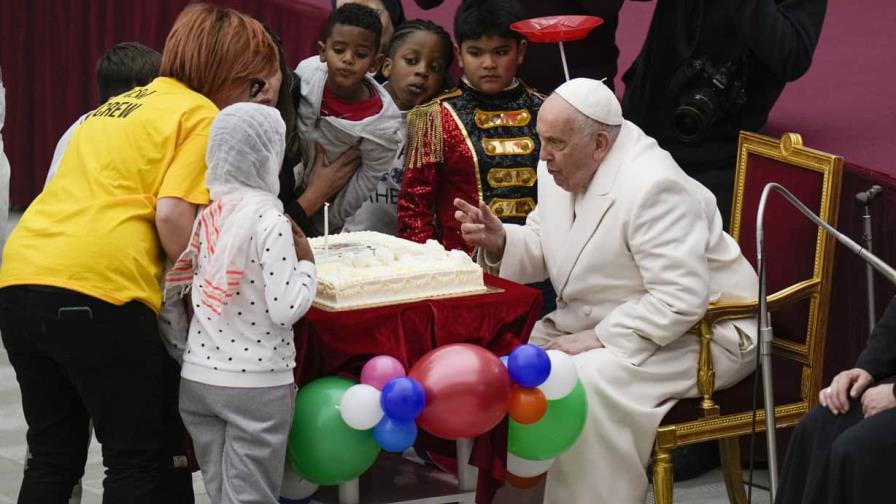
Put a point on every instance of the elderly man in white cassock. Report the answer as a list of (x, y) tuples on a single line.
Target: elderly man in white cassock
[(635, 251)]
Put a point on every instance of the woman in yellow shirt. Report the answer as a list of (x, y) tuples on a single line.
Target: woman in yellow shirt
[(79, 283)]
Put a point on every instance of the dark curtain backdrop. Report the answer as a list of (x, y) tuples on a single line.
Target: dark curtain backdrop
[(48, 53)]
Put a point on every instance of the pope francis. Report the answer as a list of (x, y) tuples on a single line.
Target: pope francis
[(635, 251)]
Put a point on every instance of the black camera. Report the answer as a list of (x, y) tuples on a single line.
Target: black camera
[(708, 93)]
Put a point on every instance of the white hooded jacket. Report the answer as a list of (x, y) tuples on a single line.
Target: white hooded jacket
[(381, 136)]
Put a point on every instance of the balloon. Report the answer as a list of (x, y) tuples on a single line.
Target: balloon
[(526, 405), (360, 407), (557, 430), (466, 389), (504, 359), (563, 376), (295, 487), (321, 446), (380, 369), (529, 365), (395, 435), (402, 399), (519, 482), (525, 468)]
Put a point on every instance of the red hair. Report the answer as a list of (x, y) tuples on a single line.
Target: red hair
[(214, 50)]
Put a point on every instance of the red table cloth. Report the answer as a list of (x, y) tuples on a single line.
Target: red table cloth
[(331, 343)]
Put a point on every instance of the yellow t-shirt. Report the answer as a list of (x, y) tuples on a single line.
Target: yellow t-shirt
[(93, 230)]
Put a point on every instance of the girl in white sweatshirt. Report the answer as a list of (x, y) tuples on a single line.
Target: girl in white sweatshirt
[(252, 277)]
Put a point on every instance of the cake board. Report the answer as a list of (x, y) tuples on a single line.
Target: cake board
[(488, 289)]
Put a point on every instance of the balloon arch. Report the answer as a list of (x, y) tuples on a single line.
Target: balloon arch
[(454, 392)]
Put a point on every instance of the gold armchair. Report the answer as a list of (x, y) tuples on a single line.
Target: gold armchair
[(798, 272)]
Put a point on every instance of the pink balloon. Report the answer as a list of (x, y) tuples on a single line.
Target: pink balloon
[(380, 369)]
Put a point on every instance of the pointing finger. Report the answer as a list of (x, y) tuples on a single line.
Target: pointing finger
[(465, 207)]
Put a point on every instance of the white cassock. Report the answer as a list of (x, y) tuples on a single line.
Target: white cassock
[(636, 259)]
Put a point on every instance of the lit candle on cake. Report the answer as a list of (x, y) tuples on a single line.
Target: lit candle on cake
[(326, 229)]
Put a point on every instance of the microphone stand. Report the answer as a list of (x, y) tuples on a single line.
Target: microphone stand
[(765, 329), (863, 199)]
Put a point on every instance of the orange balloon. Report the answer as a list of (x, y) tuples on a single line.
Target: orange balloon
[(523, 483), (526, 405)]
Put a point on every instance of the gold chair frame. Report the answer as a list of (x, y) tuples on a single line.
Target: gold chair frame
[(709, 422)]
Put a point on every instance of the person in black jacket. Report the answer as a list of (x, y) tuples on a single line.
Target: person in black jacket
[(709, 69), (842, 450)]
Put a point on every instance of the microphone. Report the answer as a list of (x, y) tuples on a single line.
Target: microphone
[(765, 329), (864, 198)]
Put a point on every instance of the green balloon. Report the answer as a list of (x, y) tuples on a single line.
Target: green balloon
[(321, 446), (555, 432)]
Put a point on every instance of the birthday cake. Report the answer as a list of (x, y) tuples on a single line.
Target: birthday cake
[(367, 268)]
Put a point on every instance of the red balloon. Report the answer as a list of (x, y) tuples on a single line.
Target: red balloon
[(526, 405), (466, 387)]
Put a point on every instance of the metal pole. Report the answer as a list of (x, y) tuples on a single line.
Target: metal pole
[(466, 474), (765, 355), (563, 57), (350, 492), (869, 271)]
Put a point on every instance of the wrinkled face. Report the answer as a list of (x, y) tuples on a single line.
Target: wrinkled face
[(382, 12), (489, 63), (416, 71), (265, 89), (572, 154), (349, 54)]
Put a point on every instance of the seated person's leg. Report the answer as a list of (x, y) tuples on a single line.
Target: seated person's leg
[(861, 465), (805, 465)]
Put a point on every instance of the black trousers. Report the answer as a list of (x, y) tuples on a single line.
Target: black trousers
[(78, 359), (840, 459)]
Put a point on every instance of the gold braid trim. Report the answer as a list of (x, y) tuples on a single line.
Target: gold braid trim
[(424, 135)]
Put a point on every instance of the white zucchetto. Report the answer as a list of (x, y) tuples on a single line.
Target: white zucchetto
[(592, 98)]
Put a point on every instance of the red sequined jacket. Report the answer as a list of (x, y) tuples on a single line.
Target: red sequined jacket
[(467, 145)]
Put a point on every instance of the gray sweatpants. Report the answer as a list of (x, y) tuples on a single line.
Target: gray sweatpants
[(239, 435)]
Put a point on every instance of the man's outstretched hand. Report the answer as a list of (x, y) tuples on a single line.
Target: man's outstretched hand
[(480, 228)]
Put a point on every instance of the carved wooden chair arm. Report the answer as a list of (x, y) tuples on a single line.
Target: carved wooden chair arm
[(728, 310)]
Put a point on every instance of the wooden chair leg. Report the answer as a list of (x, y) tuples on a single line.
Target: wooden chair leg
[(729, 452), (662, 476)]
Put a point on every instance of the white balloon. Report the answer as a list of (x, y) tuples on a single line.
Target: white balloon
[(525, 468), (360, 407), (563, 376), (294, 486)]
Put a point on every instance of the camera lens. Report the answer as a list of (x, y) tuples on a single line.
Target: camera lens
[(689, 123), (705, 93)]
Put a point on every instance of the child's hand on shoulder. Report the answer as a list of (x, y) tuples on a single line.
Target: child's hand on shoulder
[(303, 248)]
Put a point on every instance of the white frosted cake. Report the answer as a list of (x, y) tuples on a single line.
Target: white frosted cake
[(367, 268)]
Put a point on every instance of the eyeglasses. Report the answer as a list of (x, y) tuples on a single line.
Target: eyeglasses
[(256, 86)]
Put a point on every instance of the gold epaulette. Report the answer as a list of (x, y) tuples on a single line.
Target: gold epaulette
[(425, 131)]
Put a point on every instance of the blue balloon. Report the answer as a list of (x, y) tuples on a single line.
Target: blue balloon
[(402, 398), (504, 359), (394, 435), (529, 366)]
